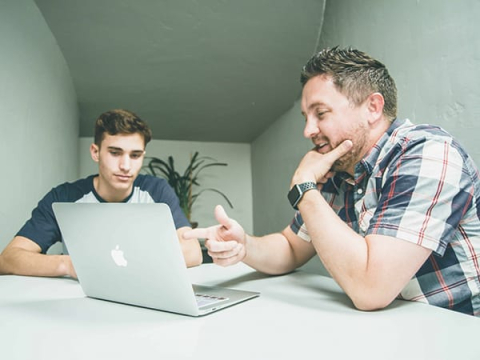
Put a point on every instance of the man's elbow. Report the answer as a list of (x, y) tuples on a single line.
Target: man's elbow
[(371, 302)]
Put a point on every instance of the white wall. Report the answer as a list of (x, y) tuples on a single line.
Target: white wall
[(39, 116), (432, 51), (234, 180)]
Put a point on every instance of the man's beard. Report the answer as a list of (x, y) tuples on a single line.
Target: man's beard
[(348, 161)]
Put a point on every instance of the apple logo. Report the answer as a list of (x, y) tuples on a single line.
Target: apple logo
[(117, 256)]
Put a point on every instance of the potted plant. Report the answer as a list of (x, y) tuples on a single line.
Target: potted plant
[(183, 184)]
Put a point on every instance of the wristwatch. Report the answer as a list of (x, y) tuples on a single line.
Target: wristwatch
[(296, 192)]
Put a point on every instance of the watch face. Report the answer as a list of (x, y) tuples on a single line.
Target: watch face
[(294, 196)]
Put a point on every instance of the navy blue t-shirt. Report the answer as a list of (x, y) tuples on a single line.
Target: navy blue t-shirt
[(42, 227)]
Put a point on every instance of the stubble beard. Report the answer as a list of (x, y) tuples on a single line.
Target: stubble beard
[(350, 159)]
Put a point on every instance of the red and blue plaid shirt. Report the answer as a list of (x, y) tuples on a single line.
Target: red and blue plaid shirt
[(418, 184)]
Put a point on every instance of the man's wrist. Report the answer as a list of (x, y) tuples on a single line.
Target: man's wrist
[(297, 191)]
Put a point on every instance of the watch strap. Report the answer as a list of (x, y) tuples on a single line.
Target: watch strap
[(297, 191), (304, 187)]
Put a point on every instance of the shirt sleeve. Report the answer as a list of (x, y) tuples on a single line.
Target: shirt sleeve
[(425, 192), (42, 227), (162, 192), (298, 227)]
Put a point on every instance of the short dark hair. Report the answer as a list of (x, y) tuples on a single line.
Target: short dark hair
[(355, 74), (120, 121)]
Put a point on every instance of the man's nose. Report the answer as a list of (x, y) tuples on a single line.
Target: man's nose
[(125, 163), (311, 129)]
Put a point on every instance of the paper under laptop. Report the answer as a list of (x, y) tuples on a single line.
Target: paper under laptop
[(130, 253)]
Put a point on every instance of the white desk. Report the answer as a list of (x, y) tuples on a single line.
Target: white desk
[(297, 316)]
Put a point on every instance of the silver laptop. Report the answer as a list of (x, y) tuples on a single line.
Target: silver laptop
[(130, 253)]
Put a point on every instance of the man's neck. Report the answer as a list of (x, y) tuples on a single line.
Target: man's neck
[(107, 193), (374, 137)]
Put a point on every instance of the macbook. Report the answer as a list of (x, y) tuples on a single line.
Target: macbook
[(130, 253)]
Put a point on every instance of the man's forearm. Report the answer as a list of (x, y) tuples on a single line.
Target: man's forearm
[(192, 252), (18, 261), (191, 249), (372, 270), (270, 254), (342, 251)]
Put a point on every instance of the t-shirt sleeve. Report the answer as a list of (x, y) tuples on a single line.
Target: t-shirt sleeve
[(42, 227), (162, 192)]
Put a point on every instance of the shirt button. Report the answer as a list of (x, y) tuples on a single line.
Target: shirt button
[(359, 191)]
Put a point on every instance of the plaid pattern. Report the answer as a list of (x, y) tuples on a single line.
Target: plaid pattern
[(418, 184)]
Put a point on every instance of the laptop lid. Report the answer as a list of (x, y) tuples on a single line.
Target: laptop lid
[(130, 253)]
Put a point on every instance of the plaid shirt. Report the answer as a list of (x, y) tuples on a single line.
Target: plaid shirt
[(419, 185)]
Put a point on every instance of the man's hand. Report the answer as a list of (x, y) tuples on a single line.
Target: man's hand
[(225, 242), (317, 167), (69, 269)]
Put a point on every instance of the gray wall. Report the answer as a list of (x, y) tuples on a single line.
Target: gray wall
[(432, 50), (275, 155), (38, 114)]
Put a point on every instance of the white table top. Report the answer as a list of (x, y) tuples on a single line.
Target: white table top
[(297, 316)]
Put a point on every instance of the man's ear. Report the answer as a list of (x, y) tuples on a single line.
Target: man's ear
[(375, 104), (94, 152)]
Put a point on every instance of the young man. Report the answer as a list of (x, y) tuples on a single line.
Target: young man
[(397, 211), (119, 149)]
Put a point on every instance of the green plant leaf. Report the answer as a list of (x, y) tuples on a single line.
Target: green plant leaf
[(183, 184), (194, 197)]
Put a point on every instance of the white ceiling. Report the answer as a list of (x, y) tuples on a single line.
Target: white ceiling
[(203, 70)]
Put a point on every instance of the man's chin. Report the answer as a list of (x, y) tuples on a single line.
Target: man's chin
[(341, 165), (123, 184)]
